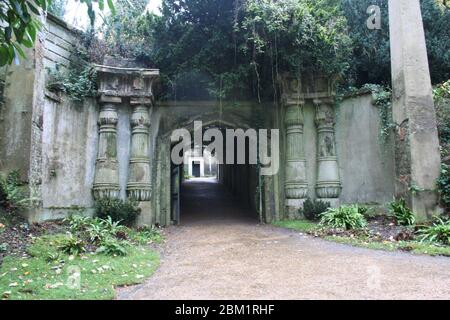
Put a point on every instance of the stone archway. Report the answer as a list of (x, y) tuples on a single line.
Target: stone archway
[(228, 175)]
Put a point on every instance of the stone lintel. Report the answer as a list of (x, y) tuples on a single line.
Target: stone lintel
[(110, 99), (141, 101)]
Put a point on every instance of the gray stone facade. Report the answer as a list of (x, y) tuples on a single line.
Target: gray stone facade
[(118, 144)]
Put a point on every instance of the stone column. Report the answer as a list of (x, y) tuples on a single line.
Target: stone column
[(106, 181), (296, 187), (328, 186), (139, 184), (417, 158)]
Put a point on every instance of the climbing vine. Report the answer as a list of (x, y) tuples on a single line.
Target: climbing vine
[(77, 83), (78, 80), (382, 99)]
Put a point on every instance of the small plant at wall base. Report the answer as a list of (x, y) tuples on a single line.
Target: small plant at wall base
[(72, 245), (113, 247), (443, 184), (118, 210), (402, 214), (346, 217), (438, 232), (313, 208), (11, 196)]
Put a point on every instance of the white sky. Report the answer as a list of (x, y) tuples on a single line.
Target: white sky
[(76, 12)]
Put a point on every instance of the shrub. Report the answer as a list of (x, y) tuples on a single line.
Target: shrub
[(77, 223), (443, 184), (72, 245), (146, 234), (11, 195), (312, 209), (344, 217), (113, 247), (438, 232), (118, 210), (100, 229), (402, 214)]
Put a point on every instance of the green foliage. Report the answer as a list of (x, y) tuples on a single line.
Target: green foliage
[(113, 247), (18, 27), (128, 33), (12, 198), (118, 210), (72, 245), (78, 82), (3, 247), (298, 225), (77, 223), (146, 235), (232, 49), (347, 217), (443, 184), (441, 94), (101, 6), (57, 8), (402, 214), (296, 35), (438, 232), (44, 275), (370, 56), (313, 209), (95, 230), (238, 49)]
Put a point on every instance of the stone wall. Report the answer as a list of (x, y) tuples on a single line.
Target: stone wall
[(15, 116), (60, 40), (365, 158), (54, 142)]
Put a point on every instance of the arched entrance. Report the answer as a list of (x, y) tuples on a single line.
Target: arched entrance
[(231, 194)]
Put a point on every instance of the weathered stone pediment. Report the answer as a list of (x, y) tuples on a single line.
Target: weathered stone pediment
[(126, 82)]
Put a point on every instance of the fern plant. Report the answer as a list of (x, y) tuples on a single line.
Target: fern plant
[(113, 247), (312, 209), (439, 231), (345, 217), (402, 214), (72, 245)]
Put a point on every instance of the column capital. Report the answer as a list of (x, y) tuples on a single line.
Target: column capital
[(293, 115)]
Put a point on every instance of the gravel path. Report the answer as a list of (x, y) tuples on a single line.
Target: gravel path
[(220, 252)]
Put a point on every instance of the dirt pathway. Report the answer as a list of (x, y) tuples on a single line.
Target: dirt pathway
[(215, 254)]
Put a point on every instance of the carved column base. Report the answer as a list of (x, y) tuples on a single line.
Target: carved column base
[(139, 191), (296, 190), (328, 184), (106, 175), (328, 189), (138, 186), (105, 191)]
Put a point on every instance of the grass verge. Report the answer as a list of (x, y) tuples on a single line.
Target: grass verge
[(298, 225), (410, 246), (49, 274)]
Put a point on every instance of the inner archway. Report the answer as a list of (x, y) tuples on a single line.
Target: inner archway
[(208, 190)]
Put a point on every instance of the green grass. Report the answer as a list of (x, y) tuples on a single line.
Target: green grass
[(38, 277), (298, 225), (411, 246), (145, 237)]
